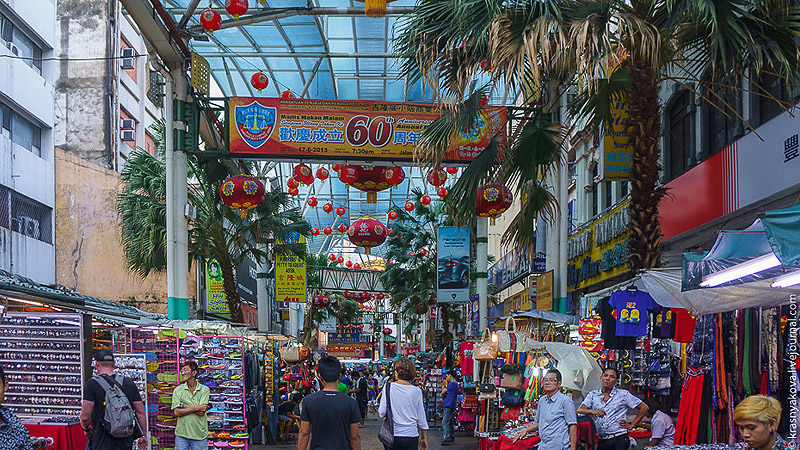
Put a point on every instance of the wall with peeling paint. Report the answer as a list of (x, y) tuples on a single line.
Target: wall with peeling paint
[(89, 255)]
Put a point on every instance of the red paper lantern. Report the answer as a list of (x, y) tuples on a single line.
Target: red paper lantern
[(441, 192), (315, 231), (451, 170), (388, 261), (437, 177), (320, 301), (409, 206), (236, 7), (395, 175), (259, 81), (484, 100), (327, 207), (370, 179), (322, 173), (340, 211), (492, 200), (392, 214), (362, 297), (342, 228), (349, 264), (387, 331), (287, 94), (291, 183), (312, 201), (327, 230), (332, 257), (422, 251), (242, 192), (356, 266), (303, 174), (337, 168), (210, 20), (346, 294), (294, 191), (367, 233), (340, 259), (486, 65), (425, 200)]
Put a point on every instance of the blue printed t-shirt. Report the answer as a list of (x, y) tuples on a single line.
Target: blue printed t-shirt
[(450, 398), (631, 309)]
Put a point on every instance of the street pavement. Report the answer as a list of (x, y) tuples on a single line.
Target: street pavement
[(369, 439)]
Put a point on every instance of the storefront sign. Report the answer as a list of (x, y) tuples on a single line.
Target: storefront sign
[(348, 350), (617, 159), (216, 301), (607, 254), (345, 129), (409, 351), (453, 266), (246, 280), (544, 291), (344, 337), (290, 272)]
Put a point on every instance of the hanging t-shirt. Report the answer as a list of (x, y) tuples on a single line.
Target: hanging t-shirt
[(608, 331), (631, 306), (684, 325), (663, 322), (465, 356)]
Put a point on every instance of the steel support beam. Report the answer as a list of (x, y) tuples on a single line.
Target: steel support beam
[(190, 8), (154, 31), (277, 54)]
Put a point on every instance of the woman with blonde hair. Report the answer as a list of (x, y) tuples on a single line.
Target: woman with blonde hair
[(403, 401), (757, 419)]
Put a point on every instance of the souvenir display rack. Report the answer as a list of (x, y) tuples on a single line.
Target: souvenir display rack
[(115, 339), (221, 359), (160, 347), (269, 374), (41, 354), (433, 399)]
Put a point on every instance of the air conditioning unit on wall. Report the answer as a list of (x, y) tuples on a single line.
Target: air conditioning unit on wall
[(128, 124), (31, 227), (14, 49), (128, 135), (128, 61)]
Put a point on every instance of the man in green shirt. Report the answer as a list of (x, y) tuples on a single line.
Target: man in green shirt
[(190, 405)]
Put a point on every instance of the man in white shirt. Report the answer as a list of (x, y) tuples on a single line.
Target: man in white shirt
[(609, 406)]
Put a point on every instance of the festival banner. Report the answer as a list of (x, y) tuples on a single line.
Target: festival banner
[(346, 129), (453, 265), (290, 272), (358, 350), (216, 302)]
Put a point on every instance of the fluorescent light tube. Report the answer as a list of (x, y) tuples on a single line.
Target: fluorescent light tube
[(744, 269), (790, 279)]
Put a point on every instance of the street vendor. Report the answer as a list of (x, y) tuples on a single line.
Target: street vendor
[(555, 417), (609, 406)]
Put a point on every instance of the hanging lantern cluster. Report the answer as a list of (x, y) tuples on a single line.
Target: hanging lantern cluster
[(259, 81), (371, 179), (492, 200), (436, 177), (236, 8), (375, 8), (367, 233), (210, 20), (303, 174), (242, 192), (350, 327), (321, 301)]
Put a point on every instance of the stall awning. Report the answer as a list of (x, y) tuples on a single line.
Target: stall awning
[(549, 316)]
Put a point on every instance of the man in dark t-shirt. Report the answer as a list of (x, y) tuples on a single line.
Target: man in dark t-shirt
[(93, 408), (361, 389), (329, 418)]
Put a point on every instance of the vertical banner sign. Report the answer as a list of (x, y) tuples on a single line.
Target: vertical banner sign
[(616, 152), (453, 265), (216, 302), (544, 291), (290, 272)]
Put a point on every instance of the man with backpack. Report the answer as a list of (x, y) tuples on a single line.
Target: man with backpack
[(190, 405), (112, 411)]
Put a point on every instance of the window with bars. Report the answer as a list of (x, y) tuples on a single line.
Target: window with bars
[(25, 216), (155, 87), (771, 87), (680, 118), (724, 124)]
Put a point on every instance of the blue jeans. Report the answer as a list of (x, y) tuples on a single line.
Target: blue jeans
[(447, 422), (182, 443)]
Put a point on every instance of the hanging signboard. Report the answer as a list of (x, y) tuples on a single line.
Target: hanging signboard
[(344, 338), (358, 350), (328, 324), (616, 152), (544, 291), (599, 251), (290, 272), (346, 129), (452, 265), (216, 302)]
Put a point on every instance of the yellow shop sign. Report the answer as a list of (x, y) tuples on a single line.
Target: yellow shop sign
[(599, 251)]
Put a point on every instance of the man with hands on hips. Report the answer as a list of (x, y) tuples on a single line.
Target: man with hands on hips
[(609, 406), (555, 417)]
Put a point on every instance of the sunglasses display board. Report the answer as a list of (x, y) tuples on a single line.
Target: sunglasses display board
[(133, 366), (41, 354), (432, 387)]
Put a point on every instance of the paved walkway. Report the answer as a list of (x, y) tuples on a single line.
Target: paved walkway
[(369, 440)]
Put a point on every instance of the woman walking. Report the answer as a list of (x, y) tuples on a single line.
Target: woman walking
[(408, 413)]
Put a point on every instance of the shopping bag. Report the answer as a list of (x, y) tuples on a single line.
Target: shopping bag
[(510, 340), (485, 350)]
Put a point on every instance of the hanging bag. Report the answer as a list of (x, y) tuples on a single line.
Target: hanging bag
[(386, 433), (485, 350), (291, 353), (512, 398), (512, 381), (510, 340)]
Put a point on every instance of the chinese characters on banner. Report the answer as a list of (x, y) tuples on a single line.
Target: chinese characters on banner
[(216, 302), (340, 129), (453, 265), (290, 272), (544, 291), (616, 152)]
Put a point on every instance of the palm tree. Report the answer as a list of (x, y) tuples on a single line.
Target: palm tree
[(345, 310), (610, 49), (217, 232)]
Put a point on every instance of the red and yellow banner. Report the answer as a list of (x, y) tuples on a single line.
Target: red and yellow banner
[(338, 129), (355, 350)]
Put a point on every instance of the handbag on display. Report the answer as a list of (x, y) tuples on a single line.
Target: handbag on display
[(487, 391), (291, 353), (510, 340), (510, 413), (512, 381), (386, 433), (512, 398), (485, 350), (512, 368)]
